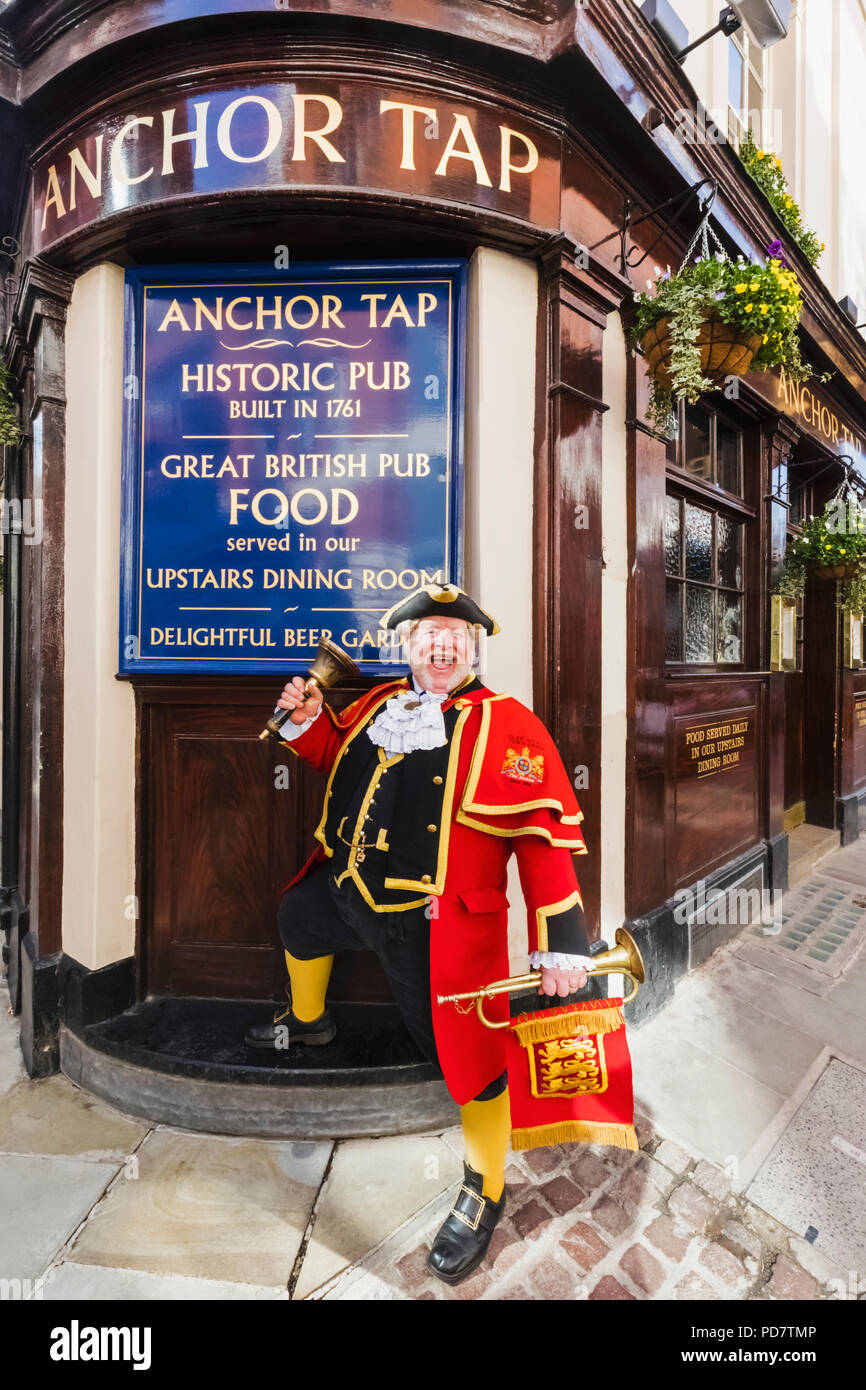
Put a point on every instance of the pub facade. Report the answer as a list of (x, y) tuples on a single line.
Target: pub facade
[(307, 306)]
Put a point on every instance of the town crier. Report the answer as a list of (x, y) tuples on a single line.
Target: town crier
[(433, 781)]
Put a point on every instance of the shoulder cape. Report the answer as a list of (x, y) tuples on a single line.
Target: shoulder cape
[(517, 784)]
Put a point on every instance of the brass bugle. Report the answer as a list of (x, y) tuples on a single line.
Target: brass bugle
[(623, 959), (331, 665)]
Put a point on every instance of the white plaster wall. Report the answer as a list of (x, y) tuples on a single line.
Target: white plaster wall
[(99, 718), (500, 441), (614, 629), (500, 423)]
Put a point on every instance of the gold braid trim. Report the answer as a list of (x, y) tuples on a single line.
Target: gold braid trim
[(537, 1028), (575, 1132)]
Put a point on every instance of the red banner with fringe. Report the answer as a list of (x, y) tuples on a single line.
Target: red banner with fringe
[(569, 1077)]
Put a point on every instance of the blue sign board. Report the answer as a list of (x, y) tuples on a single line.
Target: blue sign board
[(292, 460)]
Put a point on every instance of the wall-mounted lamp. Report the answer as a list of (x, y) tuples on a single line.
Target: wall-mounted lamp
[(848, 307), (766, 21)]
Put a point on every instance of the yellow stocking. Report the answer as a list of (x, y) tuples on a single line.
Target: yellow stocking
[(309, 981), (487, 1131)]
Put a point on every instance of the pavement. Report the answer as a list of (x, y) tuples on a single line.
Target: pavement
[(749, 1184)]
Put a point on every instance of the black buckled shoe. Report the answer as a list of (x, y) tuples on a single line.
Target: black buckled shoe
[(316, 1034), (463, 1237)]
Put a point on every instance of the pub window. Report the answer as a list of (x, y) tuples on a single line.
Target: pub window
[(747, 84), (704, 540), (708, 448), (704, 584)]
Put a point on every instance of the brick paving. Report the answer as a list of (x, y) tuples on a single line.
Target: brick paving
[(604, 1224)]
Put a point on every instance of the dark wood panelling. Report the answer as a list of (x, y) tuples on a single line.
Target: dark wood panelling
[(820, 703), (647, 703), (716, 736), (567, 521), (225, 821)]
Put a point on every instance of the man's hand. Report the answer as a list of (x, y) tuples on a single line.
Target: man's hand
[(295, 698), (561, 982)]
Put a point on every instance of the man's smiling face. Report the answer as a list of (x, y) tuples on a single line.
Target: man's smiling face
[(441, 653)]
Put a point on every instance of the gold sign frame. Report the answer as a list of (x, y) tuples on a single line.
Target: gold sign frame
[(783, 633)]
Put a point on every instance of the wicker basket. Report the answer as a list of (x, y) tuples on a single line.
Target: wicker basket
[(724, 350), (840, 571)]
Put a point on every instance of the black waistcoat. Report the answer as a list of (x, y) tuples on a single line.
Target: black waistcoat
[(389, 811)]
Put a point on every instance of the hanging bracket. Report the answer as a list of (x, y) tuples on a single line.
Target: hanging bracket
[(680, 201)]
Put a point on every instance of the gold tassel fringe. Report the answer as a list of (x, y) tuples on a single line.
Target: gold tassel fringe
[(537, 1028), (575, 1131)]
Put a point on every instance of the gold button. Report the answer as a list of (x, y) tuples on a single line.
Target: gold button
[(425, 878), (431, 828), (437, 781)]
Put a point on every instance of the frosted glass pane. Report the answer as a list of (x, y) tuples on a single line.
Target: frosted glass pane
[(699, 624), (699, 543), (673, 563)]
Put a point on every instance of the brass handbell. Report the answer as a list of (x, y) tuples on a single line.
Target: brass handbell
[(623, 959), (331, 665)]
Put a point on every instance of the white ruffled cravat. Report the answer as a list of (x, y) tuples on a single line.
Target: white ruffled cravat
[(409, 721)]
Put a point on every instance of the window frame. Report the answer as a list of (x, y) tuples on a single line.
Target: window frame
[(687, 487), (754, 64)]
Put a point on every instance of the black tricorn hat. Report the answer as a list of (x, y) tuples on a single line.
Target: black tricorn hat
[(440, 601)]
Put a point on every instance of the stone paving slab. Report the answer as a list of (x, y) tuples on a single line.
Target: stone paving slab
[(43, 1201), (53, 1116), (715, 1019), (208, 1207), (674, 1079), (94, 1283), (841, 1029), (815, 1175), (373, 1186)]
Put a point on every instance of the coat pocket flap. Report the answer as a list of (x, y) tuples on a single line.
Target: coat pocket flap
[(483, 899)]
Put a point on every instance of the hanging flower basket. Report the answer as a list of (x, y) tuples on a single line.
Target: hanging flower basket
[(724, 349), (716, 318), (831, 546)]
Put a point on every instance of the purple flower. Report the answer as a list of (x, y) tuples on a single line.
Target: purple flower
[(776, 253), (720, 294)]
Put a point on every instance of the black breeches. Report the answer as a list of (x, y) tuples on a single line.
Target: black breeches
[(316, 918)]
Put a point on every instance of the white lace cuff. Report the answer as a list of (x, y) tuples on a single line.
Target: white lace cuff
[(558, 960), (289, 731)]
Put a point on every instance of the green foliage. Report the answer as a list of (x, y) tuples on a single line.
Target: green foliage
[(836, 537), (766, 170), (757, 299), (9, 431)]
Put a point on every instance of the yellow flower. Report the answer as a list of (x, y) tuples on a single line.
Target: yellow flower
[(842, 552), (764, 308), (788, 201), (749, 308), (764, 339), (740, 289), (760, 154), (827, 546), (754, 286)]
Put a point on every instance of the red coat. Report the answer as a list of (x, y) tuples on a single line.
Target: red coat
[(511, 794)]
